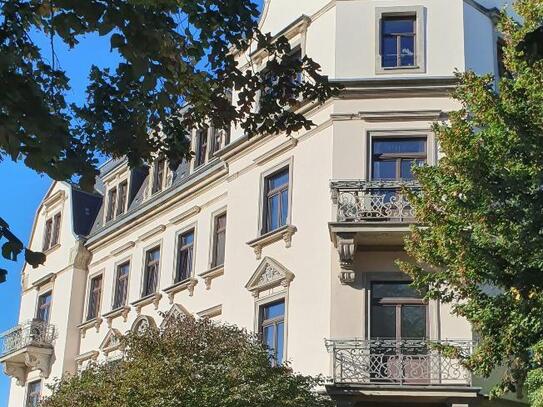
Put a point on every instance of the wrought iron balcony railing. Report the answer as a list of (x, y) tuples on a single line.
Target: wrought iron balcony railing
[(367, 201), (398, 362), (29, 333)]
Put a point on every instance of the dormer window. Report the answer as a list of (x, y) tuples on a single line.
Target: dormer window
[(52, 232), (117, 200), (201, 145), (159, 173)]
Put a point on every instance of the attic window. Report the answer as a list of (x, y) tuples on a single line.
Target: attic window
[(52, 232)]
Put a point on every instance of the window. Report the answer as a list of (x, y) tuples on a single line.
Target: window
[(47, 235), (394, 158), (159, 172), (33, 394), (201, 148), (272, 329), (276, 200), (217, 140), (56, 230), (150, 275), (398, 311), (121, 285), (44, 307), (185, 247), (123, 197), (111, 200), (398, 41), (52, 232), (95, 297), (219, 240)]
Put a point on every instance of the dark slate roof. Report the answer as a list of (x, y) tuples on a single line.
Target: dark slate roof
[(85, 207)]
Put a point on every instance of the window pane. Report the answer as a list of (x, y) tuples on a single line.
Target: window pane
[(398, 146), (273, 212), (407, 51), (385, 169), (284, 207), (406, 166), (383, 321), (399, 25), (278, 180), (267, 338), (390, 52), (394, 290), (187, 238), (280, 342), (413, 321), (274, 310)]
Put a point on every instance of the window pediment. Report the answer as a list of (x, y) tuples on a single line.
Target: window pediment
[(176, 311), (269, 274), (111, 342)]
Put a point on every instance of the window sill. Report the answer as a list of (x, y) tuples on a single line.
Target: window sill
[(283, 233), (211, 274), (85, 326), (187, 284), (51, 249), (153, 298), (400, 70), (122, 311)]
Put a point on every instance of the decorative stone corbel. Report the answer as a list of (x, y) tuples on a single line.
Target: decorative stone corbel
[(39, 361), (152, 299), (87, 325), (188, 285), (347, 249), (17, 371)]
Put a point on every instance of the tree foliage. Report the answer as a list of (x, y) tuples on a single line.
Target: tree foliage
[(177, 71), (480, 242), (191, 362)]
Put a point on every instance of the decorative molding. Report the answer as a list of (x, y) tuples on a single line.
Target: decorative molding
[(149, 299), (269, 274), (111, 342), (346, 248), (57, 197), (210, 275), (123, 248), (122, 311), (285, 233), (92, 355), (49, 278), (142, 324), (33, 358), (188, 284), (85, 326), (176, 220), (16, 370), (80, 256), (274, 152), (210, 313), (151, 233), (401, 115), (175, 311)]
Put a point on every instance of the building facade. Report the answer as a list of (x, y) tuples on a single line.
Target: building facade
[(294, 237)]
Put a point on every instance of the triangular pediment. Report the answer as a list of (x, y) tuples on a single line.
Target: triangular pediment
[(269, 274), (175, 311), (111, 342)]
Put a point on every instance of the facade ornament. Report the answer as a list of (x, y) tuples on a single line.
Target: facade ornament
[(284, 233), (142, 324), (176, 311), (17, 371), (39, 361), (347, 249), (188, 285), (269, 274), (111, 342), (123, 312), (90, 324), (210, 275), (151, 299)]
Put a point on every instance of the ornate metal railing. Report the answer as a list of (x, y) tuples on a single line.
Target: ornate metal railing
[(366, 201), (30, 333), (399, 362)]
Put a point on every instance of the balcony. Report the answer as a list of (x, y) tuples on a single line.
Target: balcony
[(369, 215), (399, 368), (27, 347)]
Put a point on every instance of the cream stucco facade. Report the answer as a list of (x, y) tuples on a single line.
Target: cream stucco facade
[(338, 236)]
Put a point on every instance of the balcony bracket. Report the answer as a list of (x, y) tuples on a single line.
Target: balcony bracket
[(347, 249), (17, 371), (18, 365)]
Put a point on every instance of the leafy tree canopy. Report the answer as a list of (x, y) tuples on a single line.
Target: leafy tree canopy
[(193, 363), (177, 71), (481, 234)]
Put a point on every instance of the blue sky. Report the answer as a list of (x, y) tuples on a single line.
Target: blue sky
[(27, 188)]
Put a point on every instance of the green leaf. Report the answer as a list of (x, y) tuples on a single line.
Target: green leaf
[(11, 249), (35, 259), (3, 274)]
